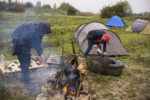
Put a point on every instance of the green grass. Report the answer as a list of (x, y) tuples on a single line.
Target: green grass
[(133, 84)]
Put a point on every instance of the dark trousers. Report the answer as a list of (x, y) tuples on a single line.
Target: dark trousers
[(24, 60), (23, 54), (90, 45)]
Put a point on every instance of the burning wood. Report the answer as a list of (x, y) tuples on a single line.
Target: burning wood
[(71, 92), (68, 80)]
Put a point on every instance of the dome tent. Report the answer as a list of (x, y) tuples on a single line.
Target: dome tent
[(115, 21), (114, 46), (140, 26)]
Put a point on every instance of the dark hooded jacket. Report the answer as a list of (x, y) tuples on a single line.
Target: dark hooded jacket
[(93, 37), (29, 35)]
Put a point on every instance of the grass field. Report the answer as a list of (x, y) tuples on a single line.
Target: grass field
[(133, 84)]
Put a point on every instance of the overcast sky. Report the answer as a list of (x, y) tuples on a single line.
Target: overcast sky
[(95, 6)]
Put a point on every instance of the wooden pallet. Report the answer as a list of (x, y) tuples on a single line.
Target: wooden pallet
[(14, 65)]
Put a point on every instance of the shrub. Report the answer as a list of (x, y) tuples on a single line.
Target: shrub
[(71, 11), (28, 5), (67, 7), (46, 6), (121, 9)]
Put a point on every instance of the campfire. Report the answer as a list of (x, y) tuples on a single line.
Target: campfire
[(69, 77), (67, 80)]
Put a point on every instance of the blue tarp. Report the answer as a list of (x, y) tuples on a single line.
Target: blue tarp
[(115, 21)]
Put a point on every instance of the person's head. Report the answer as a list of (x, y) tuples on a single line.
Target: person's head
[(45, 27), (105, 37)]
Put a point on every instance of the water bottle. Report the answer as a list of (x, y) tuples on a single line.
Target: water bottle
[(3, 62), (2, 59)]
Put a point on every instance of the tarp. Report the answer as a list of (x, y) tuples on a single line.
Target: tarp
[(114, 47), (115, 21), (146, 30), (129, 29)]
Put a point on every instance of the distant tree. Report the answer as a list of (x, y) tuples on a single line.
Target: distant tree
[(107, 12), (9, 2), (22, 3), (71, 11), (121, 9), (46, 6), (16, 1), (3, 5), (54, 6), (67, 7), (28, 5), (64, 6), (16, 4), (38, 4), (4, 1)]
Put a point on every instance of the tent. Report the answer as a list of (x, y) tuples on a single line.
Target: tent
[(140, 26), (115, 21), (114, 46)]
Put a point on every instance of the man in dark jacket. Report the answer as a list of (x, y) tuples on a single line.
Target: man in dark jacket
[(25, 37), (96, 38)]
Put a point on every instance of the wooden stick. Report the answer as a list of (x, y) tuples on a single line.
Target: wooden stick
[(80, 85)]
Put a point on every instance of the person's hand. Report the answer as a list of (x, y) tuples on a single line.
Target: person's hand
[(85, 55), (95, 46), (41, 57), (105, 53)]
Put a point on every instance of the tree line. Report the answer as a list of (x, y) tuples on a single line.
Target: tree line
[(4, 4), (121, 9), (20, 5)]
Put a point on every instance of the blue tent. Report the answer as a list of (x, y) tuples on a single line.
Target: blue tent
[(115, 21)]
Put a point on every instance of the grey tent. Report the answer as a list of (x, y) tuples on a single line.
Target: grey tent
[(114, 47), (138, 25)]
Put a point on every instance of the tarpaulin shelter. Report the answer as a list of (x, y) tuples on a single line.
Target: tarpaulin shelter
[(115, 21), (114, 46), (140, 26)]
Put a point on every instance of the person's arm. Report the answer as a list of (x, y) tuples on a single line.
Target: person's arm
[(104, 48), (38, 49), (89, 48), (37, 44)]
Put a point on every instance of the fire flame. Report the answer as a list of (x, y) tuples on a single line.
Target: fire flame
[(71, 92), (64, 91)]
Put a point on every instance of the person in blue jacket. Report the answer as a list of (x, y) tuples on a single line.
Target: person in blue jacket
[(96, 38), (25, 37)]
